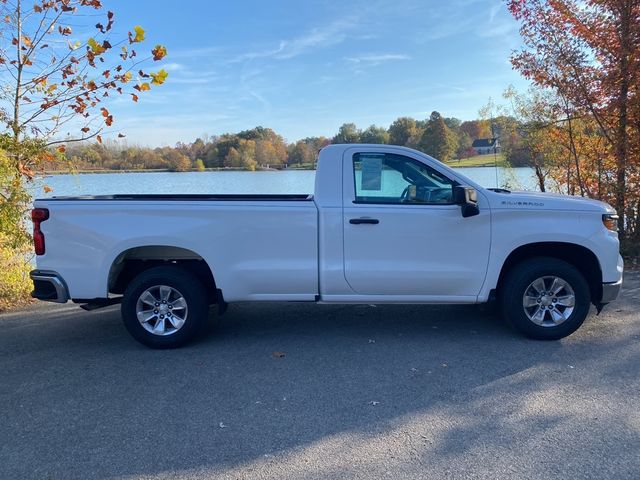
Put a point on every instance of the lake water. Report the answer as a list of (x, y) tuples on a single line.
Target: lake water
[(285, 181)]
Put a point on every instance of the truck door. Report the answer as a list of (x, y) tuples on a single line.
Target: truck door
[(402, 233)]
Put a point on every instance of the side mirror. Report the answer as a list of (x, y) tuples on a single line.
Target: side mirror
[(467, 198)]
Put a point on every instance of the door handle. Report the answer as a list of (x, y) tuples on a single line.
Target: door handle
[(360, 221)]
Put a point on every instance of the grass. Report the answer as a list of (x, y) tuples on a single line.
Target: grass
[(479, 161)]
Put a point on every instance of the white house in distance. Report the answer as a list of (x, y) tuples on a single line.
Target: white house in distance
[(483, 146)]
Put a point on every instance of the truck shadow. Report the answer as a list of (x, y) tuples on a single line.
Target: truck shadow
[(276, 383)]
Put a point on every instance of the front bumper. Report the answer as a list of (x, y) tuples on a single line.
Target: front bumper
[(49, 286), (610, 291)]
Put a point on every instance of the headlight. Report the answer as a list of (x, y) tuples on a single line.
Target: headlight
[(610, 221)]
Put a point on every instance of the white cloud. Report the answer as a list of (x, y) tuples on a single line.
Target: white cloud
[(173, 67), (494, 11), (316, 38), (377, 59)]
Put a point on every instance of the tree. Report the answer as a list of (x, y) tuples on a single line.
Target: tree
[(402, 131), (199, 165), (588, 53), (347, 133), (375, 134), (243, 156), (55, 83), (266, 153), (437, 139), (176, 161), (476, 129), (464, 149), (301, 152)]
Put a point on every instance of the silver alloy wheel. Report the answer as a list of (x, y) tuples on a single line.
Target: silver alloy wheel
[(161, 310), (549, 301)]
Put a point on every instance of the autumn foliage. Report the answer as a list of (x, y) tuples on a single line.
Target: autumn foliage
[(58, 84), (587, 53), (57, 76)]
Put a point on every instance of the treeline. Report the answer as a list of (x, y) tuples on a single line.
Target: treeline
[(445, 138)]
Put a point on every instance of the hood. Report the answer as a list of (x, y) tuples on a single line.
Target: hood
[(546, 201)]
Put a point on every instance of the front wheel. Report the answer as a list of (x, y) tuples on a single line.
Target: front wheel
[(545, 298), (164, 307)]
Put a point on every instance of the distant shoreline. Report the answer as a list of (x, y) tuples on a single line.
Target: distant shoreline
[(166, 170), (453, 164)]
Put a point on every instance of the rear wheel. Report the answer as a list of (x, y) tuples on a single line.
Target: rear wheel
[(545, 298), (164, 307)]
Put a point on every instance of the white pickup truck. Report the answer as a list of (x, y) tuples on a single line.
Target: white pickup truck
[(386, 225)]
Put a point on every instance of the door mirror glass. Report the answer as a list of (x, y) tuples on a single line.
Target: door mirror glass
[(467, 198)]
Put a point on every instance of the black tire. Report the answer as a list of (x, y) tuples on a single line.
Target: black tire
[(519, 280), (185, 284)]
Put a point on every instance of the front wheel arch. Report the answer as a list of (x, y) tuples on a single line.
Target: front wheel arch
[(580, 257)]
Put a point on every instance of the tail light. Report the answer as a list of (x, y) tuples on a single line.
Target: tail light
[(38, 215)]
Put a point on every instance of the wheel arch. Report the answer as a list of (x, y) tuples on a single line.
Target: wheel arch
[(134, 260), (581, 257)]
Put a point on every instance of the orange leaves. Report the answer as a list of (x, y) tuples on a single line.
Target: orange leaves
[(61, 149), (26, 171), (139, 35), (68, 75), (91, 3), (159, 78), (47, 189), (142, 87), (108, 118), (159, 52)]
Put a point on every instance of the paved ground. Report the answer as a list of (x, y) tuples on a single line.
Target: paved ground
[(361, 392)]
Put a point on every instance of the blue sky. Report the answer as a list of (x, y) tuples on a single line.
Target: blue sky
[(305, 67)]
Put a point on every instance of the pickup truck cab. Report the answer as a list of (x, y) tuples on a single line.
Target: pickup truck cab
[(386, 224)]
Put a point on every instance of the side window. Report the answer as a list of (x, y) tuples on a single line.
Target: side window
[(391, 178)]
